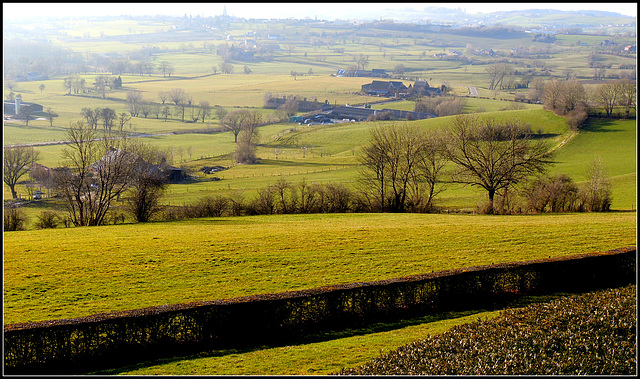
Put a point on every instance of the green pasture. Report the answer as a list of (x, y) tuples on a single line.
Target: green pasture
[(614, 142), (322, 355), (60, 273), (329, 154)]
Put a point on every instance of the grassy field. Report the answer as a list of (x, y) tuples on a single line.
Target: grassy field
[(71, 272), (320, 355), (59, 273)]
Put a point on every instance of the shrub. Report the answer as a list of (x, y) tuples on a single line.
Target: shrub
[(450, 107), (14, 219), (577, 118), (553, 194), (587, 334), (47, 220)]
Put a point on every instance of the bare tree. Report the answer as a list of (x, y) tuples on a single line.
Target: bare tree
[(92, 116), (551, 94), (361, 60), (17, 161), (606, 95), (426, 179), (596, 191), (98, 169), (233, 122), (148, 184), (628, 95), (50, 115), (248, 137), (497, 72), (205, 109), (175, 95), (123, 118), (134, 102), (391, 162), (226, 68), (108, 115), (162, 95), (41, 87), (166, 112), (572, 95), (494, 155)]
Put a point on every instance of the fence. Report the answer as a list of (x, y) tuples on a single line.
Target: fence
[(93, 342)]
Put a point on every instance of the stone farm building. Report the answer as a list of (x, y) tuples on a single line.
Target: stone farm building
[(386, 89), (15, 109), (362, 114)]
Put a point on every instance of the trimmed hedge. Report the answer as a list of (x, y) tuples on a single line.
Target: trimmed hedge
[(112, 339)]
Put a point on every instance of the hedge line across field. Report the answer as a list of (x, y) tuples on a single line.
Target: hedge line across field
[(112, 339)]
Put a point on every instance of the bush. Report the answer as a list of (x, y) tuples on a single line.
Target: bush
[(587, 334), (14, 219), (552, 194), (577, 118), (450, 107), (47, 220)]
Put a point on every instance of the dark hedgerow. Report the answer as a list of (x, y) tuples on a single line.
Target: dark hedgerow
[(587, 334)]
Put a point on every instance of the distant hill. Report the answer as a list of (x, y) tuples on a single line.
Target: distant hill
[(524, 18)]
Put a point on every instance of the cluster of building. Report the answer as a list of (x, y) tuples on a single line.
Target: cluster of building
[(17, 109)]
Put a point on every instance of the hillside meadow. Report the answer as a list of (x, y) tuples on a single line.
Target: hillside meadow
[(61, 273)]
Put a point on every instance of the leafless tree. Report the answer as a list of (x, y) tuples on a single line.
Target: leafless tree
[(50, 115), (123, 118), (162, 95), (497, 72), (248, 137), (494, 155), (391, 160), (596, 191), (175, 95), (226, 68), (108, 115), (361, 60), (98, 169), (551, 94), (606, 95), (628, 93), (134, 102), (148, 183), (17, 161), (232, 122), (205, 109)]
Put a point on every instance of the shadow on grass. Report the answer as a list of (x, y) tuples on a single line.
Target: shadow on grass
[(328, 335)]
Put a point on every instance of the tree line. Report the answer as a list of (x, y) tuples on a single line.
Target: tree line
[(403, 169)]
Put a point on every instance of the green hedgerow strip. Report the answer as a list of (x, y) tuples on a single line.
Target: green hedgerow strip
[(587, 334)]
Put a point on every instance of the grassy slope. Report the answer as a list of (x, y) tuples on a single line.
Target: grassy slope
[(60, 273)]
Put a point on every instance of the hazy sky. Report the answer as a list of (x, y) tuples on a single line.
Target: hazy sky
[(327, 11)]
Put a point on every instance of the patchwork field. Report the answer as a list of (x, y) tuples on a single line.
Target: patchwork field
[(72, 272)]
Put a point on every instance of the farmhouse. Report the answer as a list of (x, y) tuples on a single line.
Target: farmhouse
[(171, 173), (303, 105), (387, 89), (17, 108), (422, 88), (361, 114), (374, 73)]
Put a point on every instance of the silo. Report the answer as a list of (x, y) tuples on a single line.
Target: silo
[(18, 103)]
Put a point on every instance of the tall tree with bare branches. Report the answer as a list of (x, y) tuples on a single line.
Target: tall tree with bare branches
[(17, 161), (494, 155)]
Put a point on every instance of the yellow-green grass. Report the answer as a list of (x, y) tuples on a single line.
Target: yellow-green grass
[(323, 357), (614, 142), (60, 273)]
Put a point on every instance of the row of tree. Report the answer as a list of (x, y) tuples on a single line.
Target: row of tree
[(403, 169)]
